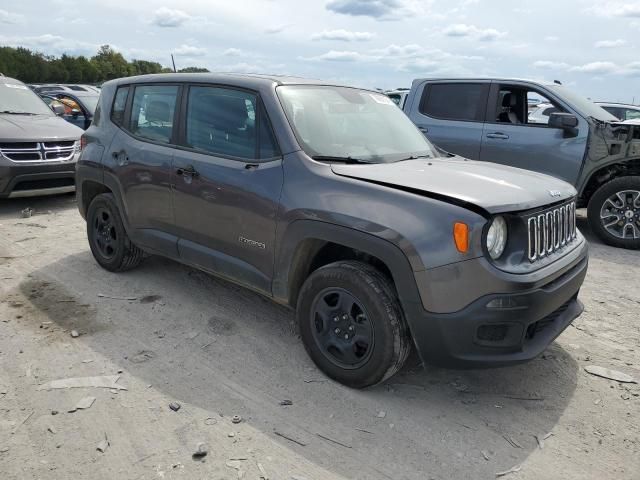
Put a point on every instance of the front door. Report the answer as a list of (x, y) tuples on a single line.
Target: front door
[(514, 137), (227, 179)]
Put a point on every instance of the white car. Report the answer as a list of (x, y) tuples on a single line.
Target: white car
[(540, 114), (622, 111)]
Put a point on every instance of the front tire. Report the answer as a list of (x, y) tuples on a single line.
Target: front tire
[(614, 212), (108, 240), (352, 325)]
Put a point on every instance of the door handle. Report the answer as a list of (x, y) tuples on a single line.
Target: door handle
[(187, 171), (423, 129), (498, 135)]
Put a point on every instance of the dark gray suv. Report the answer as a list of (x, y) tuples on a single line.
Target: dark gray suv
[(329, 200)]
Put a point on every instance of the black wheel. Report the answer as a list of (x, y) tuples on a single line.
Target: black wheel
[(614, 212), (352, 324), (108, 239)]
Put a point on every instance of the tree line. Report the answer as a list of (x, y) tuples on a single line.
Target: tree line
[(107, 64)]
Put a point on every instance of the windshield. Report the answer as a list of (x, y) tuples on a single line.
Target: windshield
[(18, 98), (583, 105), (349, 123)]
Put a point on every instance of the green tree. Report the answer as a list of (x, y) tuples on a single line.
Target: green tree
[(193, 70)]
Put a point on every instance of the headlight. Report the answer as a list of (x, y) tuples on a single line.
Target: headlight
[(497, 237)]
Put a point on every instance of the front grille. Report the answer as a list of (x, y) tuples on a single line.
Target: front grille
[(36, 152), (550, 230)]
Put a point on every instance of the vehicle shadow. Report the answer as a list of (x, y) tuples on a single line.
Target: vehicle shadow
[(230, 351), (11, 207)]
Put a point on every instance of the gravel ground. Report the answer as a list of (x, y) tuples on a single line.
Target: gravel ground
[(173, 334)]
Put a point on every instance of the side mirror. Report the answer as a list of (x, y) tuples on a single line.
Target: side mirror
[(564, 121), (58, 109)]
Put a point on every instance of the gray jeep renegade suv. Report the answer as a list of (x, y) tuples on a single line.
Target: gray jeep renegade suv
[(329, 200), (38, 150)]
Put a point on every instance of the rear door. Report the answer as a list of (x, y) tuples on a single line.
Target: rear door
[(140, 156), (512, 137), (227, 179), (451, 115)]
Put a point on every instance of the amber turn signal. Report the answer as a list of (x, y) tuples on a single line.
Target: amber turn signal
[(461, 236)]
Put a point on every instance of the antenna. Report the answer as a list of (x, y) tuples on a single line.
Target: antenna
[(557, 82), (174, 63)]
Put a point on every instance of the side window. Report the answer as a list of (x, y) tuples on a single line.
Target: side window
[(268, 147), (222, 121), (455, 101), (152, 112), (615, 111), (395, 98), (119, 104), (71, 106), (518, 105), (632, 114)]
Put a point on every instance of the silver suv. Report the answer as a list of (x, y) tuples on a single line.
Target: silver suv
[(38, 149)]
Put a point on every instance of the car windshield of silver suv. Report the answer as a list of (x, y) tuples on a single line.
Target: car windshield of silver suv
[(17, 99)]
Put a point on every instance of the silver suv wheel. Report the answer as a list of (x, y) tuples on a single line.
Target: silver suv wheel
[(620, 214)]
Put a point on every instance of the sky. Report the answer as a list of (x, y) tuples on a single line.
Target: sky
[(589, 45)]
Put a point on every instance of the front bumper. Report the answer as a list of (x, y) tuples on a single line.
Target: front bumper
[(22, 180), (518, 328)]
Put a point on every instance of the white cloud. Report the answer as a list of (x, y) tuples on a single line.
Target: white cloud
[(340, 56), (233, 52), (400, 51), (617, 9), (53, 44), (10, 18), (547, 64), (190, 51), (343, 35), (167, 17), (610, 43), (598, 68), (482, 34)]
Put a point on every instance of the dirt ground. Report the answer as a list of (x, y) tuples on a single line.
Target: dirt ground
[(173, 334)]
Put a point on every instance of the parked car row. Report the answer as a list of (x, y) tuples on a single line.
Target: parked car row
[(332, 201)]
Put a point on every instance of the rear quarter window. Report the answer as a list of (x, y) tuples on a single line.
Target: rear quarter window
[(119, 105)]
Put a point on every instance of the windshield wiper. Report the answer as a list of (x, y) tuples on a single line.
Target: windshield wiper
[(415, 157), (329, 158), (12, 112)]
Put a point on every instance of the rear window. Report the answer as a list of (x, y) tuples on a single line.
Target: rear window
[(455, 101), (119, 104)]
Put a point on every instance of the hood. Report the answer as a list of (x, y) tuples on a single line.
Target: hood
[(36, 128), (492, 187)]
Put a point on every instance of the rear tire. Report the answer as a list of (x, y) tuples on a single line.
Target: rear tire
[(614, 212), (108, 240), (352, 325)]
